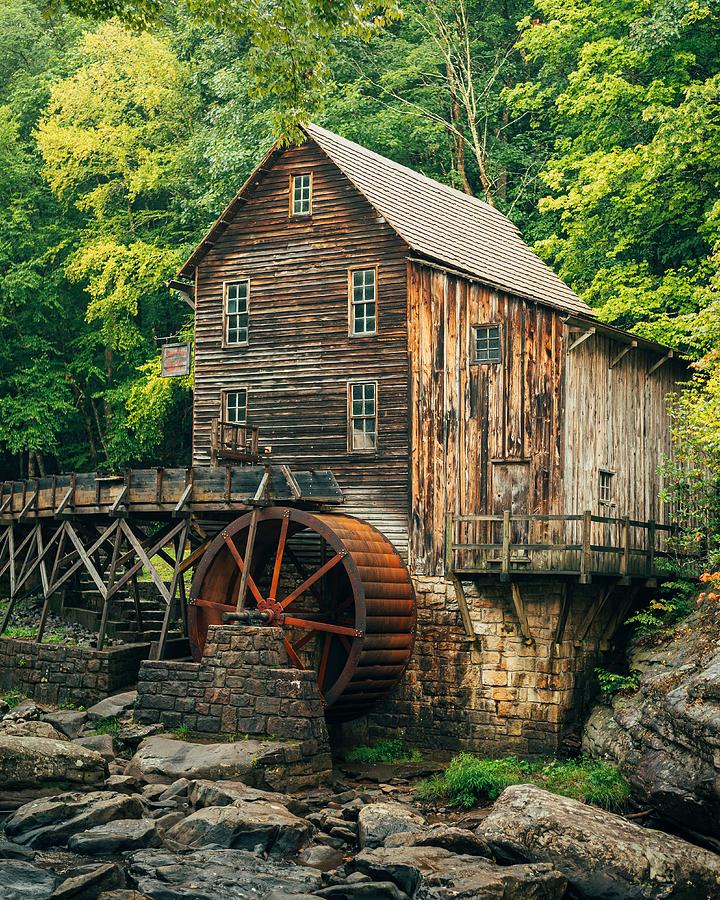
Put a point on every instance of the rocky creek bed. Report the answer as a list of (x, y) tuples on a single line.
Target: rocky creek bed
[(135, 813)]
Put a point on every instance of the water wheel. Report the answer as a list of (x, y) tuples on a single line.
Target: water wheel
[(334, 584)]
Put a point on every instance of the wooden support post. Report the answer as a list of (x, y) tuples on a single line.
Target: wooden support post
[(136, 604), (111, 579), (159, 478), (242, 594), (625, 558), (464, 609), (593, 613), (228, 483), (650, 558), (505, 563), (520, 612), (586, 558), (179, 552), (565, 602), (449, 535)]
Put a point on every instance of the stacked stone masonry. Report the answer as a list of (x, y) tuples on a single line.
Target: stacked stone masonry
[(497, 691), (244, 687), (60, 674)]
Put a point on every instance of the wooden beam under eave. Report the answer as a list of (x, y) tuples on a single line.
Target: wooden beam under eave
[(583, 337), (661, 362), (623, 353)]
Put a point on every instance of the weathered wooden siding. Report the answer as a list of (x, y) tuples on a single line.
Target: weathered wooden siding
[(300, 358), (483, 436), (617, 419)]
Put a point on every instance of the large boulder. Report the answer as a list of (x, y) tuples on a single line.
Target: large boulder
[(51, 821), (244, 826), (112, 707), (30, 728), (117, 836), (68, 721), (21, 880), (601, 854), (162, 760), (665, 737), (449, 837), (377, 821), (27, 761), (218, 875), (223, 793), (431, 872)]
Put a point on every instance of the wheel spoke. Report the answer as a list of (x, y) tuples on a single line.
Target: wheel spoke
[(279, 557), (294, 658), (305, 639), (316, 576), (213, 604), (241, 565), (327, 638), (321, 626)]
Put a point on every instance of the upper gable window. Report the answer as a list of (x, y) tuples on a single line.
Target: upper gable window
[(237, 300), (363, 301), (301, 195), (486, 344)]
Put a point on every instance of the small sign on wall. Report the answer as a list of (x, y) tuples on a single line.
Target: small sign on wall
[(175, 360)]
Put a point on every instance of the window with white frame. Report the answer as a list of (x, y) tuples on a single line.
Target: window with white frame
[(362, 402), (486, 347), (301, 195), (235, 406), (605, 487), (363, 301), (237, 298)]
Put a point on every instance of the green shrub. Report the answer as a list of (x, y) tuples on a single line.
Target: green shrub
[(611, 683), (470, 780), (387, 751), (182, 731), (19, 631), (111, 725), (13, 698)]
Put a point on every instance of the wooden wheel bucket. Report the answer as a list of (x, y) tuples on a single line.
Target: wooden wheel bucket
[(336, 587)]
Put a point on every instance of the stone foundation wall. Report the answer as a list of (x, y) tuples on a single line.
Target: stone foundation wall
[(244, 687), (495, 692), (59, 673)]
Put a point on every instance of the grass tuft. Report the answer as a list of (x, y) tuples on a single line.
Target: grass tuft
[(470, 780), (111, 726), (387, 751), (13, 698)]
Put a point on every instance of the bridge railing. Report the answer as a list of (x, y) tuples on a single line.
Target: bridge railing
[(582, 544)]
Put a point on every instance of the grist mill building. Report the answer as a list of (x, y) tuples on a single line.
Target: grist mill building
[(366, 320), (423, 472)]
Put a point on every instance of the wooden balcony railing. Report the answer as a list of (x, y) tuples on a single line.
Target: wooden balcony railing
[(584, 544), (230, 441)]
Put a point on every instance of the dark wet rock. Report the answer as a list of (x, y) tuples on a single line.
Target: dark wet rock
[(377, 821), (122, 783), (10, 850), (366, 890), (26, 709), (218, 875), (30, 728), (112, 707), (122, 894), (131, 735), (27, 761), (223, 793), (21, 880), (244, 826), (432, 873), (601, 854), (168, 820), (321, 857), (67, 721), (87, 885), (51, 821), (666, 736), (449, 837), (117, 836), (100, 743), (178, 790)]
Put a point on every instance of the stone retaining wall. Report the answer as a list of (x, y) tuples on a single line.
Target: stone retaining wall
[(244, 687), (494, 692), (59, 673)]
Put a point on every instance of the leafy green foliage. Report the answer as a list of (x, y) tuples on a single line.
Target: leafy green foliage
[(13, 698), (390, 750), (470, 780), (110, 726), (612, 683)]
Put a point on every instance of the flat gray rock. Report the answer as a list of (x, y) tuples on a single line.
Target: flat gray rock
[(449, 837), (30, 728), (51, 821), (377, 821), (431, 873), (601, 854), (21, 880), (321, 857), (112, 707), (218, 875), (117, 836), (27, 761), (68, 721), (162, 760), (91, 883), (244, 826), (100, 743), (223, 793)]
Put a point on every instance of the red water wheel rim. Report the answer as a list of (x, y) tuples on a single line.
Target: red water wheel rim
[(320, 601)]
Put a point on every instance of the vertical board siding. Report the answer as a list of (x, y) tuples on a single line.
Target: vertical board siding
[(300, 357), (483, 435)]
